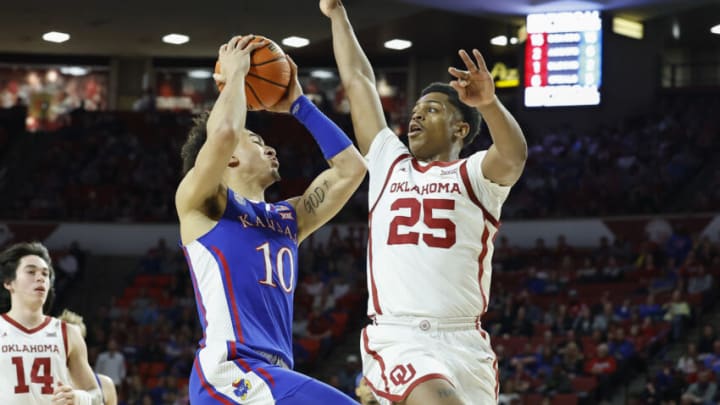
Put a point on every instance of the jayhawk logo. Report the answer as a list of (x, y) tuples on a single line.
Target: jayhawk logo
[(242, 386)]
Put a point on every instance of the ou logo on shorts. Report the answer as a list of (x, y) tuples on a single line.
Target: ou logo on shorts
[(402, 374)]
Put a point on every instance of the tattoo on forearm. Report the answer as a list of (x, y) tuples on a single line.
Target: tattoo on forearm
[(314, 199), (446, 393)]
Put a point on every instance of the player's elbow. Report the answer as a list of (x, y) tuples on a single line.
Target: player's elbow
[(359, 83), (225, 135)]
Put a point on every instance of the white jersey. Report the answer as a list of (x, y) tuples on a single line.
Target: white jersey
[(431, 233), (32, 361)]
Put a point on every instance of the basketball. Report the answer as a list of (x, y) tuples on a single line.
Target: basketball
[(268, 77)]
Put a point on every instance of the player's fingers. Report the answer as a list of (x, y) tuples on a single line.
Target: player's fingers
[(457, 73), (223, 48), (291, 62), (245, 41), (468, 62), (218, 77), (233, 43), (459, 88), (480, 60), (259, 43)]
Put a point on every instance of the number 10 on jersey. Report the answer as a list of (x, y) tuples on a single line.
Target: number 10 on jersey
[(279, 263)]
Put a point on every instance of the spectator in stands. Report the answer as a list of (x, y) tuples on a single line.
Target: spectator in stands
[(678, 312), (703, 391), (572, 359), (557, 382), (347, 375), (666, 386), (678, 245), (706, 341), (700, 282), (602, 366), (687, 364), (583, 323), (650, 309), (111, 362), (619, 346), (712, 361)]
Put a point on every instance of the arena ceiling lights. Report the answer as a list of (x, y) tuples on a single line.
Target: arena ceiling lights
[(176, 39), (55, 36), (715, 29), (398, 44), (295, 42)]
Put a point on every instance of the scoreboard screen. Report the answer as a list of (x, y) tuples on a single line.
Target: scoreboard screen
[(563, 59)]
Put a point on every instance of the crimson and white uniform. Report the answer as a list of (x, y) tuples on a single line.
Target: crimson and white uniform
[(32, 361), (429, 254)]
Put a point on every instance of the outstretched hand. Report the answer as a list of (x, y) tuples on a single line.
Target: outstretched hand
[(328, 6), (294, 90), (475, 86)]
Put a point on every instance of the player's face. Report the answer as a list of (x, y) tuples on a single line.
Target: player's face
[(433, 120), (259, 160), (32, 281)]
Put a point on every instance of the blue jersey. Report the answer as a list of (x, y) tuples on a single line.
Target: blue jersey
[(244, 273)]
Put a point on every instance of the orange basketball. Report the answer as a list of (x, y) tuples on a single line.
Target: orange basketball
[(268, 77)]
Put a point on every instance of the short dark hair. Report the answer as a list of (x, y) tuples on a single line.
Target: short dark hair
[(195, 140), (9, 262), (469, 114)]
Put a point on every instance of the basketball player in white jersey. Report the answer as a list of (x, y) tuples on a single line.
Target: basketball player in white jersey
[(432, 218), (107, 386), (42, 359)]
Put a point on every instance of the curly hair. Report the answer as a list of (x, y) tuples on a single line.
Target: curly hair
[(9, 262), (74, 318), (195, 140), (469, 114)]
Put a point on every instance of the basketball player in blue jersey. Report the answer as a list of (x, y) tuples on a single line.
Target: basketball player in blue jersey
[(242, 251)]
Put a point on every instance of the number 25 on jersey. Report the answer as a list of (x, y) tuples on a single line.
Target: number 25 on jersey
[(425, 208)]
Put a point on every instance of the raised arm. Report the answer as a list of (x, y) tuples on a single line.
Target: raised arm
[(357, 76), (83, 388), (504, 162), (225, 128), (333, 187)]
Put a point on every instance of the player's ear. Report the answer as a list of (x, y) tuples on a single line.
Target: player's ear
[(461, 130)]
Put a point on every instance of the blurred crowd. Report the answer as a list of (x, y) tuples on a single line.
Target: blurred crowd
[(567, 322), (125, 166)]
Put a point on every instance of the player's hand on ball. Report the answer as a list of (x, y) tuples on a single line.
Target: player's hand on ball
[(234, 56), (294, 90), (475, 86), (63, 395)]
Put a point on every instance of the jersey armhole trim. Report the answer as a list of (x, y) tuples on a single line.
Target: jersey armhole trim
[(63, 328), (387, 179), (473, 197)]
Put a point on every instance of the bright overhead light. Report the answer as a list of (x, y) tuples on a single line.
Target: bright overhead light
[(200, 74), (73, 70), (398, 44), (322, 74), (627, 28), (500, 40), (57, 37), (715, 29), (175, 39), (513, 40), (295, 42)]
